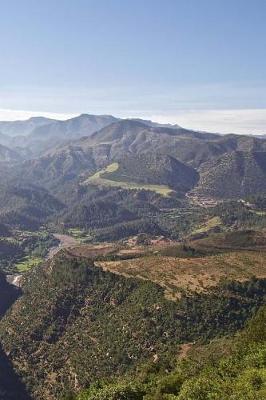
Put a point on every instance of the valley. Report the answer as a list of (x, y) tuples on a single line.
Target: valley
[(132, 259)]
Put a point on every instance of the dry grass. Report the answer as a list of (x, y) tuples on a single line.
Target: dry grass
[(126, 249), (191, 274), (90, 251)]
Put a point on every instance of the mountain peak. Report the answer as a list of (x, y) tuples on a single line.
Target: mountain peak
[(40, 119)]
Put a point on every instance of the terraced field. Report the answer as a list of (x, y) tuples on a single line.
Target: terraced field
[(100, 178)]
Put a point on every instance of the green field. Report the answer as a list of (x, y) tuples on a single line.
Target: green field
[(28, 263), (98, 180)]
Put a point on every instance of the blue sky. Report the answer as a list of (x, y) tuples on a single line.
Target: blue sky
[(176, 60)]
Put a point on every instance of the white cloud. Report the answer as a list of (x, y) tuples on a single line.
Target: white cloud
[(247, 122), (244, 121), (14, 115)]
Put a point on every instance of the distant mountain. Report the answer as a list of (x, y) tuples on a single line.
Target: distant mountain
[(120, 140), (74, 128), (57, 167), (155, 124), (37, 135), (5, 140), (8, 155), (125, 136), (171, 156), (235, 174), (23, 128), (112, 138), (129, 136)]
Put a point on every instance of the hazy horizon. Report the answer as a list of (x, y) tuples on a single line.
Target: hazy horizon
[(172, 61), (245, 122)]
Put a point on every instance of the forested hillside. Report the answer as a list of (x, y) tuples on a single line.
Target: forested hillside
[(76, 324), (155, 169), (229, 369), (26, 206), (247, 172)]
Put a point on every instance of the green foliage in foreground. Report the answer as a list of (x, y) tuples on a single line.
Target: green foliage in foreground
[(79, 324), (239, 376)]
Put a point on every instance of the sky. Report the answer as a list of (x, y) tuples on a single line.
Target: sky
[(198, 63)]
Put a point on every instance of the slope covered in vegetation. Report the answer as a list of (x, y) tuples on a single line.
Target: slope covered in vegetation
[(76, 324), (226, 369), (153, 172), (247, 172)]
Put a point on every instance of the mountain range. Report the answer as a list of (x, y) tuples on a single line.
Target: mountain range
[(117, 177), (47, 152), (138, 250)]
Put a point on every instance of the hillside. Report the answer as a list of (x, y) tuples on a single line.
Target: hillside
[(112, 213), (237, 174), (157, 155), (23, 128), (73, 324), (9, 156), (110, 176), (74, 128), (231, 368), (58, 158), (199, 265), (36, 135), (155, 169), (11, 387), (57, 168), (26, 206)]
